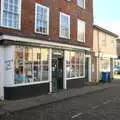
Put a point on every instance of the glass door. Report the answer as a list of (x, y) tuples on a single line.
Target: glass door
[(57, 70)]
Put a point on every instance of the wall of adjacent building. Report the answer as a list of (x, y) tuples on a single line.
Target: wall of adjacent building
[(105, 47)]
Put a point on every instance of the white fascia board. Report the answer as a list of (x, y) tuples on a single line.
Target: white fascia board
[(42, 42), (106, 55), (110, 55)]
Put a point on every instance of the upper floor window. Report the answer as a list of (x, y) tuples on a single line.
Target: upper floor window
[(64, 26), (104, 42), (11, 13), (81, 3), (41, 19), (81, 31), (103, 36), (112, 42)]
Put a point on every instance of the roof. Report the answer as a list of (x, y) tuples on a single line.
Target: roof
[(104, 30)]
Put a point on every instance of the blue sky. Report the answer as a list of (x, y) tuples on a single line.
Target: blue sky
[(107, 14)]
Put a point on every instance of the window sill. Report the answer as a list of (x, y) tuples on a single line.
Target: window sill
[(61, 37), (83, 8), (75, 78), (46, 34), (81, 41), (17, 29)]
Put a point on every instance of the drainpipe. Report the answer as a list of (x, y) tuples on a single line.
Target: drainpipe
[(98, 46)]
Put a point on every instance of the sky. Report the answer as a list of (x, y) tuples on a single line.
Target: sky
[(107, 14)]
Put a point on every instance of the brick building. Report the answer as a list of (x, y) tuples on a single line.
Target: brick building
[(44, 45)]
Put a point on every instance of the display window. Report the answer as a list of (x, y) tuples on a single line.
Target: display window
[(31, 64)]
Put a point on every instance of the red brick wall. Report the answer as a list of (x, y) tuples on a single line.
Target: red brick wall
[(71, 8)]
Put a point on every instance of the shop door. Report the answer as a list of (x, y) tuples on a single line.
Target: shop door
[(87, 69), (57, 70)]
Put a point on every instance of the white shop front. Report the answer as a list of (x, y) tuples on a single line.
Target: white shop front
[(30, 67)]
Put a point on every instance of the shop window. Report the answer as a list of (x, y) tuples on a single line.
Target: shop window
[(31, 65), (42, 19), (75, 62), (11, 13), (19, 65)]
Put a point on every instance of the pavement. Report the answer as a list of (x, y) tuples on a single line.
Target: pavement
[(23, 104)]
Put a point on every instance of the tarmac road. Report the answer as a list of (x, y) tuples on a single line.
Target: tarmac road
[(100, 105)]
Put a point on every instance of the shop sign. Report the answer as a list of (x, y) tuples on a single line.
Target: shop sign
[(8, 64)]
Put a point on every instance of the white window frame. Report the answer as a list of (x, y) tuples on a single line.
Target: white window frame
[(83, 22), (31, 82), (79, 4), (44, 7), (104, 37), (60, 35), (1, 15), (82, 76)]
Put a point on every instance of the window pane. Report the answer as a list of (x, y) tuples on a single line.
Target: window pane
[(77, 70), (82, 64), (80, 3), (5, 15), (36, 64), (81, 70), (5, 5), (68, 70), (44, 59), (28, 64), (67, 57), (73, 61), (15, 20), (19, 71), (15, 9)]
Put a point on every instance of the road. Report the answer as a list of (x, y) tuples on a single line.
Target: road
[(102, 105)]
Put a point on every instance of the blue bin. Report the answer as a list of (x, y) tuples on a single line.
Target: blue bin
[(105, 76)]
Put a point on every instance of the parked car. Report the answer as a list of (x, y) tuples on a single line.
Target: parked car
[(117, 70)]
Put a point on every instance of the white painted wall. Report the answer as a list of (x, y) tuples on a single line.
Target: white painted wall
[(1, 72), (9, 66), (64, 70)]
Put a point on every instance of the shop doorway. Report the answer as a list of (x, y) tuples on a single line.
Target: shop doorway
[(57, 70), (88, 69)]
